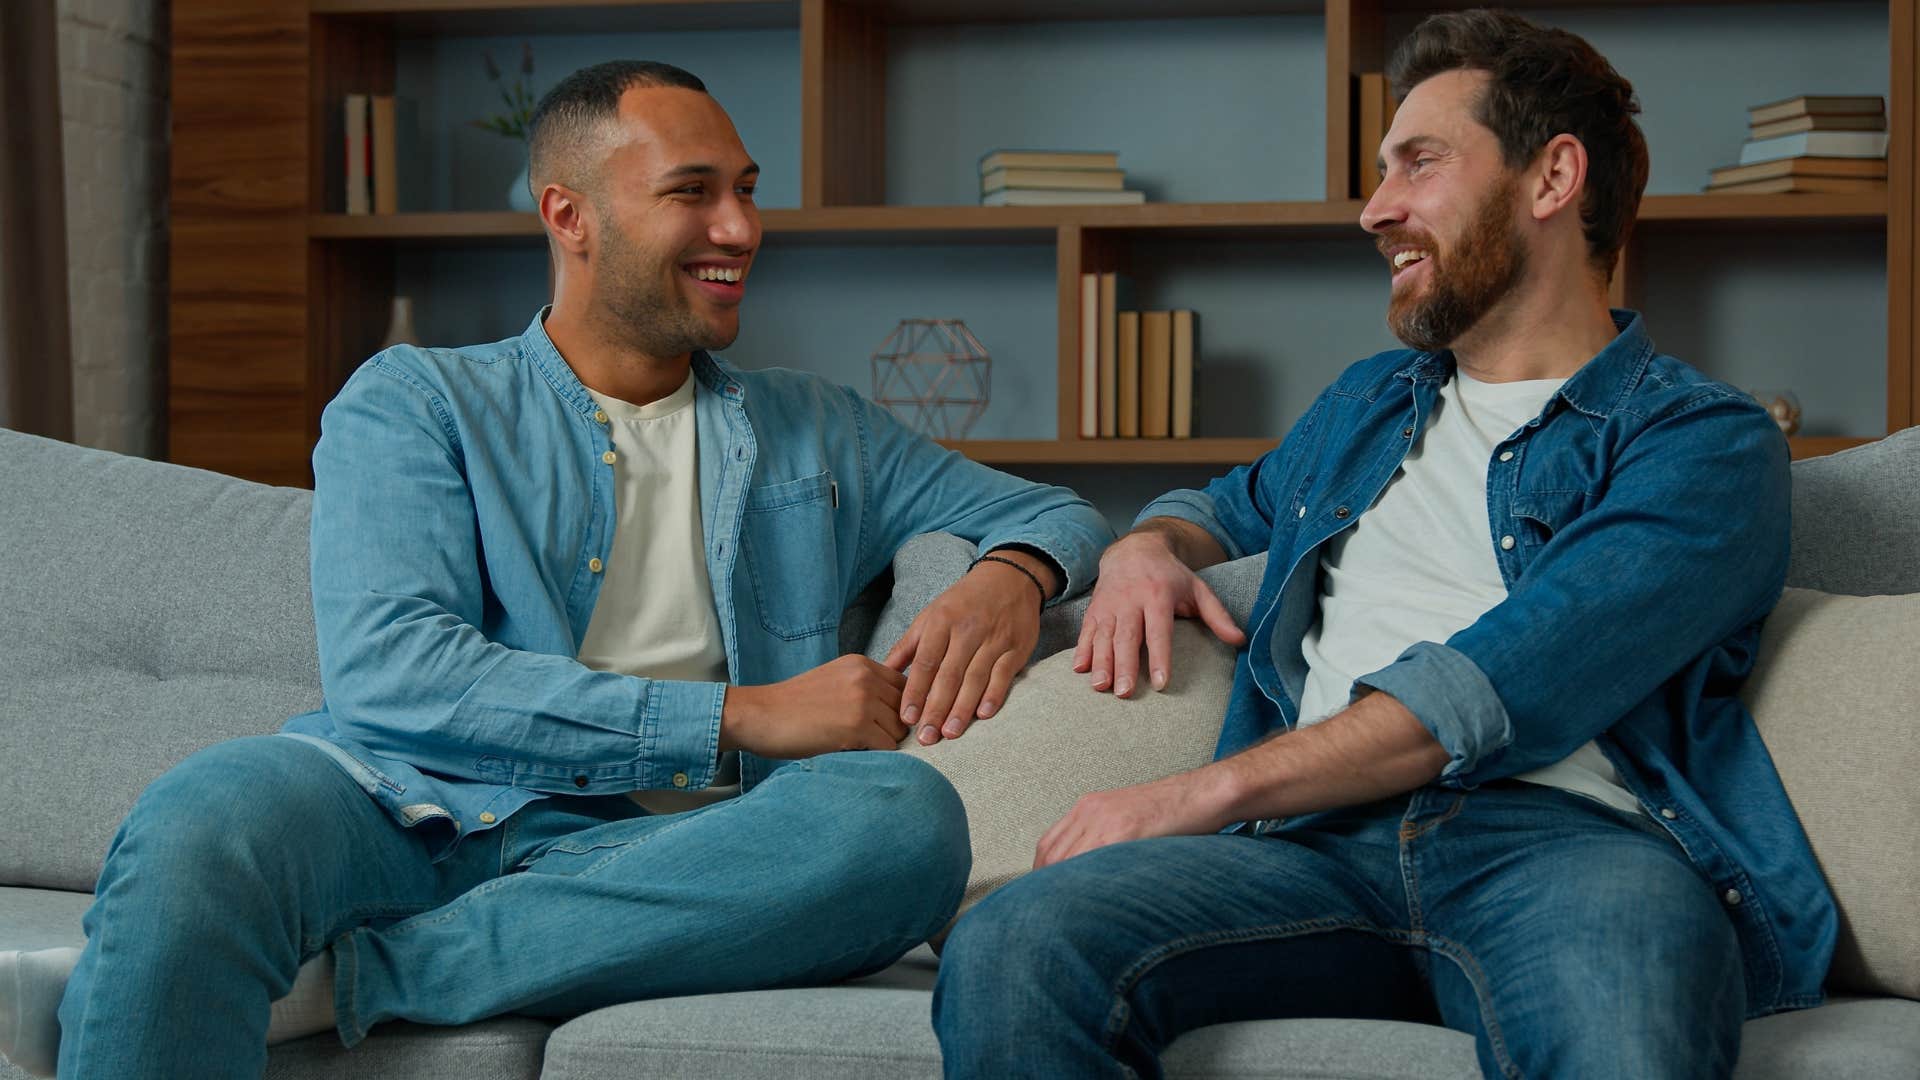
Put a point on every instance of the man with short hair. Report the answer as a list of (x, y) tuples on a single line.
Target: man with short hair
[(549, 573), (1483, 751)]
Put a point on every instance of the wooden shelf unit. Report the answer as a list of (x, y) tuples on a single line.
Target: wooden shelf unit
[(274, 299)]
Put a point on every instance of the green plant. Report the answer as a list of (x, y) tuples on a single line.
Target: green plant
[(518, 97)]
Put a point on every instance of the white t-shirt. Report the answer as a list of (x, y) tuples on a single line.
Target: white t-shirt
[(1419, 565), (655, 616)]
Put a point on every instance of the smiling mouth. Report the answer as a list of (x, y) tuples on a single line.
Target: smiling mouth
[(1408, 258), (719, 275)]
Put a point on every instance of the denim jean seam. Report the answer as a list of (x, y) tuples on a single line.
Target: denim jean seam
[(1477, 977), (346, 972), (354, 918), (1123, 985)]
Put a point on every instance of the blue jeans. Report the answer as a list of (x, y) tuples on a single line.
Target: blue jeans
[(1570, 939), (252, 856)]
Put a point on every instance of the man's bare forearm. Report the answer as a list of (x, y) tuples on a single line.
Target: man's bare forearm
[(1373, 749), (1188, 542)]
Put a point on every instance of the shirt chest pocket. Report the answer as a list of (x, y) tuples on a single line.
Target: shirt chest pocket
[(1538, 516), (787, 535)]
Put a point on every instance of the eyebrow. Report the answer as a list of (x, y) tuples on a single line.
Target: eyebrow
[(684, 171)]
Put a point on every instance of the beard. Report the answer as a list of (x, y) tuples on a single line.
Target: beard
[(648, 315), (1478, 273)]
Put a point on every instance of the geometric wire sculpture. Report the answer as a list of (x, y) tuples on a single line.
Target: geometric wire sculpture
[(933, 375)]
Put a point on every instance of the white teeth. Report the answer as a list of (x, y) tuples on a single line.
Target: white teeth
[(1406, 258), (715, 273)]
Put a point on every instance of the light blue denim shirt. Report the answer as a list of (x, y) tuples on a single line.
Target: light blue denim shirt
[(462, 507), (1641, 525)]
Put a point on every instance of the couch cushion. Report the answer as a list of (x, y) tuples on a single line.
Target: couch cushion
[(507, 1047), (1834, 693), (146, 611), (881, 1028), (1056, 740), (1856, 519)]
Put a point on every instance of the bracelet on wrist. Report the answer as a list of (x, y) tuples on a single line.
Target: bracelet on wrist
[(992, 558)]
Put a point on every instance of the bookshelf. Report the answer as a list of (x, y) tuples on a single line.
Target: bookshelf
[(275, 297)]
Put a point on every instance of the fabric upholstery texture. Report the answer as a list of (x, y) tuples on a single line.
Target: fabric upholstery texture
[(151, 610), (1856, 519), (1834, 693), (159, 610)]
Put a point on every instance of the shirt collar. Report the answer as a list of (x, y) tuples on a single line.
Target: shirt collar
[(710, 373), (1600, 385)]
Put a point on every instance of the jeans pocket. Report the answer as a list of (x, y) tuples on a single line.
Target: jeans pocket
[(787, 540)]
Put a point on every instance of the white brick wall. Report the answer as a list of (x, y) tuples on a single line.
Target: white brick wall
[(113, 109)]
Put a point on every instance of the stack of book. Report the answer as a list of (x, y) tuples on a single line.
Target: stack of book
[(1054, 178), (1137, 368), (1825, 144)]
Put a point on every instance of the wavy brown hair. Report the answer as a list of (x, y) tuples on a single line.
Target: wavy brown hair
[(1544, 82)]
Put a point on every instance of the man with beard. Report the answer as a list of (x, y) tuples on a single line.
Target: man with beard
[(1483, 764), (549, 573)]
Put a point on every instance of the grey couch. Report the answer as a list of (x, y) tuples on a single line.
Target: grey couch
[(147, 610)]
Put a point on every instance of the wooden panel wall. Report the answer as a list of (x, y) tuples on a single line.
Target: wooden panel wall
[(843, 112), (238, 256), (1903, 233)]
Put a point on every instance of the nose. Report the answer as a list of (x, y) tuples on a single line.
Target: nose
[(1384, 210), (736, 224)]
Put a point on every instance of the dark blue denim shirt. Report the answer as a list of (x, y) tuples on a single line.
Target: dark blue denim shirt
[(1641, 525)]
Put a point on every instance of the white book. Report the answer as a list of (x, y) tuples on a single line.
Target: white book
[(1860, 144), (1089, 356), (359, 172), (1039, 197)]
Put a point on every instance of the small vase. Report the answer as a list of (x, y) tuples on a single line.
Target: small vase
[(520, 195), (400, 329)]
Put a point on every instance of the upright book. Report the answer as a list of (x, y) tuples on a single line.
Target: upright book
[(1181, 404), (1127, 359), (1089, 356), (1156, 374), (1110, 289), (385, 153), (359, 174)]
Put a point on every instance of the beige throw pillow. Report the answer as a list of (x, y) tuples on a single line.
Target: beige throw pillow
[(1836, 695), (1056, 740)]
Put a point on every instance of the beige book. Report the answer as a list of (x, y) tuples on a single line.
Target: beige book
[(1156, 373), (1127, 352), (1825, 185), (1089, 356), (1794, 125), (1811, 104), (1057, 179), (1049, 159), (1181, 405), (1872, 168)]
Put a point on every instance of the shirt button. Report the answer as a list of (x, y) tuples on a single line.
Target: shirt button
[(600, 415), (1303, 511), (1342, 513), (487, 818), (1667, 812), (1506, 543), (579, 781), (679, 779), (607, 457), (596, 565), (1406, 433), (1506, 455), (1732, 897)]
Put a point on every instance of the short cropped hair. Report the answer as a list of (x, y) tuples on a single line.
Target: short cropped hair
[(567, 118), (1544, 82)]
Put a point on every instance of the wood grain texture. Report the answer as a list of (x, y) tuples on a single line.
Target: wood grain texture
[(1356, 42), (1903, 232), (843, 118), (237, 286)]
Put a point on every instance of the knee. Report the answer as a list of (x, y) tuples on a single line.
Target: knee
[(904, 822), (214, 815)]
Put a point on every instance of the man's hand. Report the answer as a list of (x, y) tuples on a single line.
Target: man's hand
[(1187, 804), (962, 652), (1143, 587), (849, 703)]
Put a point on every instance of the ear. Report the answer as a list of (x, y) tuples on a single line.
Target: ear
[(1559, 178), (565, 214)]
